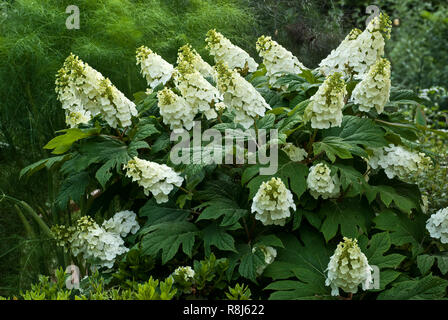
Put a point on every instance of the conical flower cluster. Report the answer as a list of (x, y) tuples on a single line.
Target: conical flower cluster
[(325, 107), (187, 53), (277, 59), (437, 225), (224, 51), (321, 183), (84, 92), (374, 90), (158, 179), (153, 67), (348, 268), (273, 202), (397, 161), (240, 96), (175, 110)]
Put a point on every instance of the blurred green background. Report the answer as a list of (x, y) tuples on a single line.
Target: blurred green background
[(34, 43)]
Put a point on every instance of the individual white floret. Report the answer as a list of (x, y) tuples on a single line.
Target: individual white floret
[(272, 203), (153, 67), (321, 183), (348, 268), (224, 51)]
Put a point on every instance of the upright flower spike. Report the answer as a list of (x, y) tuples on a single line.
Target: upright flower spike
[(273, 202), (277, 59), (374, 90), (175, 110), (84, 93), (397, 161), (359, 50), (325, 107), (294, 153), (196, 90), (321, 183), (437, 225), (153, 67), (158, 179), (348, 268), (187, 53), (224, 51), (240, 96)]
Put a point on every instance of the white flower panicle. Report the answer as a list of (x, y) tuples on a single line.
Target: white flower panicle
[(294, 153), (348, 268), (437, 225), (100, 245), (374, 90), (186, 273), (339, 59), (153, 67), (240, 96), (321, 183), (273, 202), (325, 107), (175, 110), (122, 223), (269, 256), (359, 50), (159, 179), (196, 90), (277, 59), (399, 162), (85, 93), (224, 51), (187, 53)]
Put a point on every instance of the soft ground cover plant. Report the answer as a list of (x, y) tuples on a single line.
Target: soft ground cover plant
[(339, 219)]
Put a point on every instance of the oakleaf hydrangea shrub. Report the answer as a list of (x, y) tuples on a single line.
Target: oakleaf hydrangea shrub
[(331, 221)]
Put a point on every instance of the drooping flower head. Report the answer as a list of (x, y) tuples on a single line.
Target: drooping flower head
[(240, 96), (273, 202), (157, 179), (277, 59), (374, 90), (224, 51), (348, 268), (153, 67), (175, 110), (85, 93), (398, 161), (187, 53), (269, 256), (321, 183), (325, 107), (437, 225)]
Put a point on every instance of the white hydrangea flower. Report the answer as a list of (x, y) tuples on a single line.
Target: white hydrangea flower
[(348, 268), (397, 161), (187, 53), (122, 223), (437, 225), (277, 59), (339, 59), (153, 67), (321, 183), (269, 256), (196, 90), (187, 273), (220, 106), (325, 107), (240, 96), (159, 179), (224, 51), (82, 89), (272, 203), (175, 110), (294, 153), (374, 90), (75, 118), (359, 50)]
